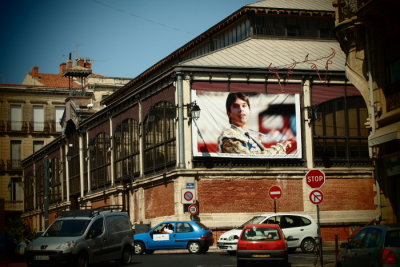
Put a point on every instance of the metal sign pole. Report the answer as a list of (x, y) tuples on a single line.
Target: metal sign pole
[(275, 205), (320, 238)]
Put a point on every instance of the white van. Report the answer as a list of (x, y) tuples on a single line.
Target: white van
[(301, 228), (83, 237)]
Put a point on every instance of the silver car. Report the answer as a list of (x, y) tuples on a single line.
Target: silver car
[(374, 245), (83, 237)]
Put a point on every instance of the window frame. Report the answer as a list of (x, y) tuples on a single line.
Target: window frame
[(159, 141), (126, 151)]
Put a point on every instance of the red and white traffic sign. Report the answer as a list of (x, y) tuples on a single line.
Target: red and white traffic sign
[(193, 209), (315, 178), (316, 197), (188, 196), (275, 192)]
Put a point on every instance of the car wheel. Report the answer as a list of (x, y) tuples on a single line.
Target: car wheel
[(194, 247), (205, 249), (149, 251), (139, 248), (308, 245), (82, 260), (126, 257)]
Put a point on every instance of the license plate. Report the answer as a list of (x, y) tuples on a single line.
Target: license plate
[(42, 258), (261, 255)]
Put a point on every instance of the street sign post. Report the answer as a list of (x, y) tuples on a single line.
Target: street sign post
[(275, 192), (315, 178)]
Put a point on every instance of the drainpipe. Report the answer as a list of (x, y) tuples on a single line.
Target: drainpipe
[(181, 134), (370, 87)]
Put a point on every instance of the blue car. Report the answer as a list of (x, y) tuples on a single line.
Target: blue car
[(190, 235)]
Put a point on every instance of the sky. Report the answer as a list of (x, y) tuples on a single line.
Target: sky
[(122, 38)]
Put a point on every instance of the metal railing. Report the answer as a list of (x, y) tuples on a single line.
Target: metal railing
[(29, 127)]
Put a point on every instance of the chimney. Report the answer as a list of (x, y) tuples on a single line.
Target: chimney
[(35, 71), (88, 64), (80, 62), (63, 68), (69, 64)]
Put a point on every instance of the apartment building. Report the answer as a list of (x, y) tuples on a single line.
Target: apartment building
[(30, 116)]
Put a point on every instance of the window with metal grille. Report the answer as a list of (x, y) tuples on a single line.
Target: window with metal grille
[(126, 150), (340, 136), (100, 161), (159, 137)]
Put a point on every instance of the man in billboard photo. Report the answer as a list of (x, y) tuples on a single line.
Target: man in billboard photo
[(238, 138)]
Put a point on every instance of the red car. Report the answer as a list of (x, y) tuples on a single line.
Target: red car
[(262, 243)]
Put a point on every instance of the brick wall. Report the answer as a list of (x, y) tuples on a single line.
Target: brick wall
[(247, 195), (159, 201), (348, 194)]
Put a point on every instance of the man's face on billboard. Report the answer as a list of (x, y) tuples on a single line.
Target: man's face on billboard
[(239, 113)]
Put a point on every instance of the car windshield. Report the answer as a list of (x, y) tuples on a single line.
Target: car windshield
[(254, 220), (393, 239), (260, 234), (67, 228)]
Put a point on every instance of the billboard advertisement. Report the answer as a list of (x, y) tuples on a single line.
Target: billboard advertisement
[(247, 125)]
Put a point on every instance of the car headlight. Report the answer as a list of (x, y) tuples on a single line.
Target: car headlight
[(69, 244), (233, 237)]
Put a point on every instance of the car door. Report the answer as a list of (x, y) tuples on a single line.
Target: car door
[(117, 228), (292, 225), (184, 233), (369, 253), (352, 256), (95, 239), (160, 239)]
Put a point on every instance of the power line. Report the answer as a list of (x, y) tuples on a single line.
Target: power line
[(141, 18)]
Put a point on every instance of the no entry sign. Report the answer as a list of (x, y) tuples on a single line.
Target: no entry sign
[(316, 197), (275, 192), (315, 178)]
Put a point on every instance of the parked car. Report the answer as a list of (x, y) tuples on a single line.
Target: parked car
[(302, 228), (374, 245), (190, 235), (262, 243), (82, 237)]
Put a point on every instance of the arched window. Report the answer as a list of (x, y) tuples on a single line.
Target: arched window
[(159, 137), (100, 161), (340, 136), (126, 150), (55, 184)]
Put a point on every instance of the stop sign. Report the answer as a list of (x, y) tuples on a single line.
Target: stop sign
[(315, 178)]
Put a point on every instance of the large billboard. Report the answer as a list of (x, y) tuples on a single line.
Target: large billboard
[(247, 125)]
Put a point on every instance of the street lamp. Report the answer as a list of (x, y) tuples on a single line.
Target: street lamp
[(193, 110), (69, 154)]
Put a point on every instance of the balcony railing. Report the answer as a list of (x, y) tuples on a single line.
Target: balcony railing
[(49, 127), (14, 164), (13, 205)]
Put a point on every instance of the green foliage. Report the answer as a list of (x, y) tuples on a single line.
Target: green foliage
[(16, 229)]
